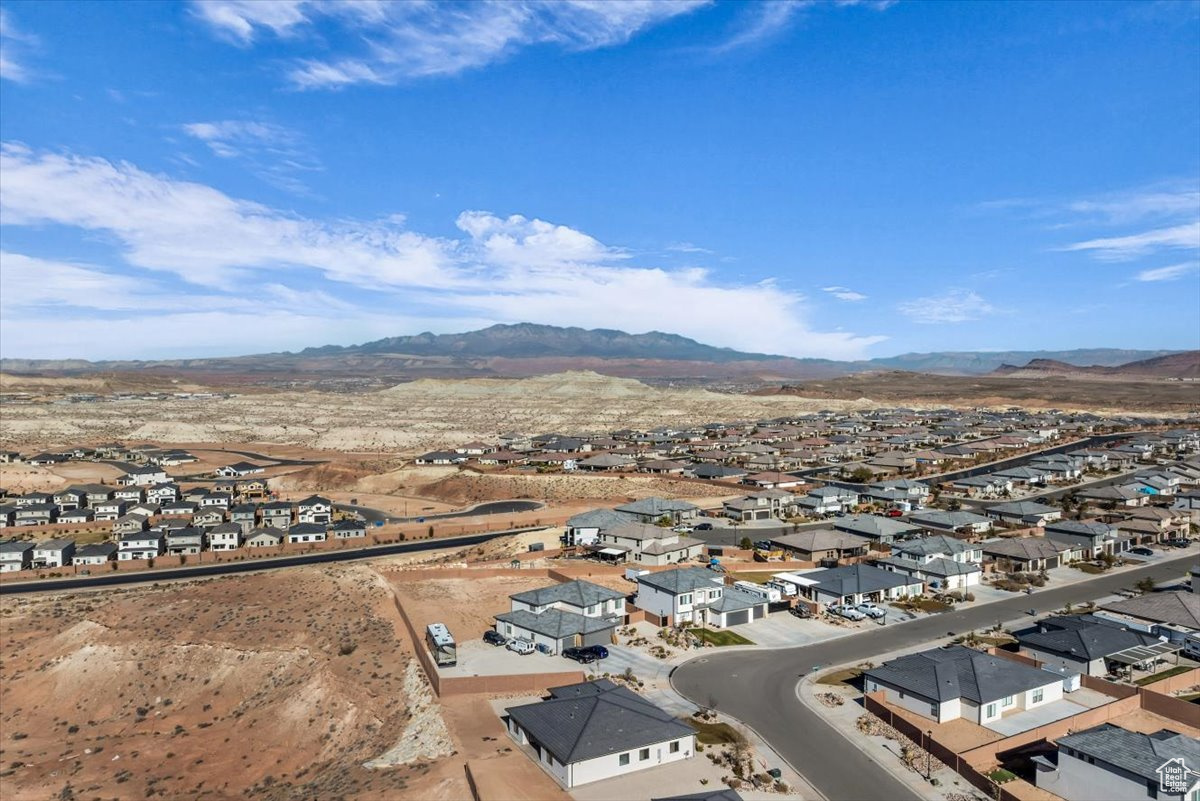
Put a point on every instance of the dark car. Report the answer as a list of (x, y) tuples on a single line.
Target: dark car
[(800, 611), (582, 655), (763, 545), (494, 637), (598, 651), (703, 527), (1179, 543), (1141, 552)]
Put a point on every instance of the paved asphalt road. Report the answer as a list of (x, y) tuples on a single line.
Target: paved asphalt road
[(490, 508), (758, 687), (226, 568)]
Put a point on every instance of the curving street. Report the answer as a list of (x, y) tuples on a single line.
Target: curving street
[(758, 687)]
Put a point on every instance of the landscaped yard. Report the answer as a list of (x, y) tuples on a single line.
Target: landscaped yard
[(924, 604), (1166, 674), (720, 637), (1000, 776), (840, 676), (1088, 567), (714, 733)]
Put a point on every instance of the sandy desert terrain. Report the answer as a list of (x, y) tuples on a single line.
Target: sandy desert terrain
[(273, 686), (408, 418)]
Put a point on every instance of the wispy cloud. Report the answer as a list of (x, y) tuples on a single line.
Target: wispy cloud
[(419, 39), (274, 153), (844, 293), (687, 247), (1172, 273), (954, 306), (500, 269), (762, 21), (1124, 248), (15, 45)]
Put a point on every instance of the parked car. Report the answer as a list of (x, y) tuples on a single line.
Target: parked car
[(1141, 551), (521, 646), (848, 612), (494, 637), (583, 656), (800, 611), (703, 527), (599, 651), (871, 610), (763, 545), (895, 513), (1179, 543), (683, 528)]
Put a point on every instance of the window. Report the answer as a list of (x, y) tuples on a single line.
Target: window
[(1007, 702), (990, 712), (674, 747), (685, 599), (933, 709), (643, 754), (1038, 694), (623, 759)]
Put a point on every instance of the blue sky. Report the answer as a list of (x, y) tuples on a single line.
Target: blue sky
[(841, 180)]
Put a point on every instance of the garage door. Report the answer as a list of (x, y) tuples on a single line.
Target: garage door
[(760, 612), (598, 638), (1051, 561), (737, 618)]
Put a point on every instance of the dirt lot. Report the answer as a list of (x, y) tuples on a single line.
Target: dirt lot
[(1066, 392), (273, 686)]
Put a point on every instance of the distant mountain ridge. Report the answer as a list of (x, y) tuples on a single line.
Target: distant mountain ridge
[(530, 340), (1185, 364), (524, 349)]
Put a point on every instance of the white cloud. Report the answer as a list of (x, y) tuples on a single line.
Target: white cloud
[(273, 152), (1171, 273), (844, 293), (14, 44), (687, 247), (954, 306), (766, 19), (416, 39), (1185, 236), (503, 269)]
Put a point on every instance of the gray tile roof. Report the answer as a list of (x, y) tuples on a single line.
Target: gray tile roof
[(1086, 642), (15, 546), (940, 519), (943, 674), (580, 722), (1023, 508), (1141, 754), (681, 579), (934, 567), (820, 539), (601, 519), (1024, 548), (875, 526), (104, 549), (656, 507), (734, 599), (933, 544), (1179, 608), (555, 623), (576, 593), (857, 578)]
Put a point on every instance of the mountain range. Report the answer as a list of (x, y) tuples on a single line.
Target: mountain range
[(524, 349)]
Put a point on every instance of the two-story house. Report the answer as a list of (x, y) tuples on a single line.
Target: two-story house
[(943, 562), (696, 595), (143, 545), (53, 553), (572, 614), (315, 509), (646, 544)]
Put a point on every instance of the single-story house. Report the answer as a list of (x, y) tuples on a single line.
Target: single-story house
[(1029, 554), (98, 553), (348, 529), (265, 537), (585, 527), (1079, 646), (306, 532), (597, 730), (952, 682), (855, 584), (965, 522), (652, 510), (883, 530), (1024, 513), (816, 545)]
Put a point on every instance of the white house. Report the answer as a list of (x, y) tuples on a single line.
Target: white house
[(53, 553), (696, 595), (597, 730), (944, 684), (568, 615), (314, 509), (1113, 763), (942, 562), (1078, 645), (95, 554), (306, 532), (225, 537), (15, 555), (648, 545), (143, 545)]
